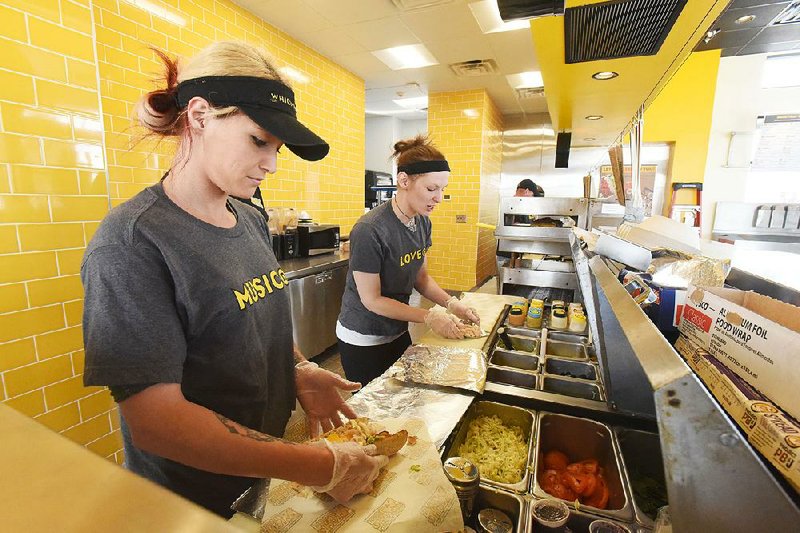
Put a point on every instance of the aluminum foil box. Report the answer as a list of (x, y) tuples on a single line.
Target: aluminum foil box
[(753, 335)]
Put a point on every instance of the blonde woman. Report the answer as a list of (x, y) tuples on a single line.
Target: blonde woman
[(186, 308), (387, 260)]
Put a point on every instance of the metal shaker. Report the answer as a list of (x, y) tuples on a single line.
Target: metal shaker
[(465, 477)]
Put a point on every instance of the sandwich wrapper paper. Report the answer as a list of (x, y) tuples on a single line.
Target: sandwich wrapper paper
[(410, 494)]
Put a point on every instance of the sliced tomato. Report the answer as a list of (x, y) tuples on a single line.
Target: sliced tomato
[(555, 460), (599, 497), (559, 490)]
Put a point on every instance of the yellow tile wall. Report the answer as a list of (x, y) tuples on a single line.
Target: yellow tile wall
[(52, 195), (69, 151), (331, 103), (491, 164), (467, 127)]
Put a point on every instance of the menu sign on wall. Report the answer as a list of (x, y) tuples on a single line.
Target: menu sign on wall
[(779, 143)]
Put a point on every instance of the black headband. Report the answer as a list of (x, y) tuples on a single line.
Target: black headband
[(239, 91), (423, 167)]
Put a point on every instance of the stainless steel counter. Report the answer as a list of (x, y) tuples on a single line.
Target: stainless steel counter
[(307, 266)]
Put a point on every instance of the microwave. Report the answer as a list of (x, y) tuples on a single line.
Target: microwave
[(316, 239)]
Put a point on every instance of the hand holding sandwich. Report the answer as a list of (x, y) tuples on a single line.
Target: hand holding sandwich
[(355, 468)]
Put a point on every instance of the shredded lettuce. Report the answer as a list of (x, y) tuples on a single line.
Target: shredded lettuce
[(500, 451)]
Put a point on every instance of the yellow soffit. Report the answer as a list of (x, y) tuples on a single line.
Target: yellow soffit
[(572, 93)]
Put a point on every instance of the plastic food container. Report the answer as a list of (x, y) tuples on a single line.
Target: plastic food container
[(550, 512), (606, 526)]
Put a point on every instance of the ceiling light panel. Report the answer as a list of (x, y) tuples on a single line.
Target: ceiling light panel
[(404, 57), (488, 17), (419, 102), (531, 79)]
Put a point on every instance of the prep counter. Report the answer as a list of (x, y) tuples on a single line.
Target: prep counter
[(650, 417)]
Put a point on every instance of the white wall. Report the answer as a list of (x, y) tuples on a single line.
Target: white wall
[(738, 101), (380, 135), (412, 128)]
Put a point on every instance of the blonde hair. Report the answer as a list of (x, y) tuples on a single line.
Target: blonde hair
[(158, 110), (415, 149)]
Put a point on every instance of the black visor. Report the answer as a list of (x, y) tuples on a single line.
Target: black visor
[(269, 103)]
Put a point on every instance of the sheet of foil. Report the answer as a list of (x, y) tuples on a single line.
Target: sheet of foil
[(449, 366), (441, 408)]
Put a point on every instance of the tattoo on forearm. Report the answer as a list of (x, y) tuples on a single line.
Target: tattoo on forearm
[(238, 429)]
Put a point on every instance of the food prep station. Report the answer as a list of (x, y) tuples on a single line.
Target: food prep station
[(618, 394)]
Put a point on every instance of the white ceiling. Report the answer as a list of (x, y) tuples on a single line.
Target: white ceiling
[(347, 31)]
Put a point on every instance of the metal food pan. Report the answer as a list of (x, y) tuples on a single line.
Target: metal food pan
[(524, 343), (520, 361), (580, 439), (565, 349), (511, 416), (641, 456), (575, 388), (523, 331), (506, 376), (578, 522), (570, 368), (511, 504), (567, 337)]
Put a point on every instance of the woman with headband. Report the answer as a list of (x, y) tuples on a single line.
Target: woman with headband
[(186, 310), (387, 261)]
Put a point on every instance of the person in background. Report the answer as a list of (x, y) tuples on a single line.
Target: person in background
[(388, 260), (186, 310), (527, 187)]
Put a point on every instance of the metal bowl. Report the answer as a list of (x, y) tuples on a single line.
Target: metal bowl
[(641, 452), (575, 388), (581, 439), (511, 504), (512, 416), (516, 378), (565, 349), (569, 368), (517, 360)]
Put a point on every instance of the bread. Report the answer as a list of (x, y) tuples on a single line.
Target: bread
[(363, 431)]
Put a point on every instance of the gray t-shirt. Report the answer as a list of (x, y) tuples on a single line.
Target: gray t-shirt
[(172, 299), (381, 244)]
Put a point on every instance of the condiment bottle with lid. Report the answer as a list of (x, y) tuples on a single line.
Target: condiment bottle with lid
[(558, 318), (466, 478), (515, 316), (534, 318)]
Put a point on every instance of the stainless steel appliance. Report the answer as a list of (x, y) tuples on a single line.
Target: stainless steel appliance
[(539, 226), (316, 300), (317, 239), (289, 245), (378, 187)]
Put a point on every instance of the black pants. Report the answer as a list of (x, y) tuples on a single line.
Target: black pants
[(365, 363)]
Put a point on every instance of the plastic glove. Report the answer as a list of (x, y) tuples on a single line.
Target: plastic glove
[(355, 468), (443, 324), (463, 311), (318, 394)]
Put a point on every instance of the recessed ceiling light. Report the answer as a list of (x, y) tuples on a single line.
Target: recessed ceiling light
[(418, 102), (710, 34), (525, 80), (605, 75), (408, 56), (593, 117), (745, 19), (589, 139), (488, 16)]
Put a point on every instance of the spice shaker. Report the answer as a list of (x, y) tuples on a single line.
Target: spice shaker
[(465, 477)]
